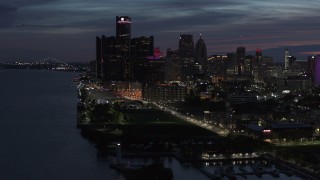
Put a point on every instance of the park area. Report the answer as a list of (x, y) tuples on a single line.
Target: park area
[(159, 123)]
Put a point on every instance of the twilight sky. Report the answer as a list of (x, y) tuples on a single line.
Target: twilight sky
[(66, 29)]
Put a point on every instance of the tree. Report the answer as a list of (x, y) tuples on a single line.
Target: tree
[(83, 94)]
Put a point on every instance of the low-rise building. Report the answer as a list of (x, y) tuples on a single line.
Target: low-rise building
[(281, 131), (165, 93)]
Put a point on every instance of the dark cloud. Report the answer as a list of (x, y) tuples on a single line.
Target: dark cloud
[(37, 26), (6, 15), (6, 9), (19, 3), (68, 28)]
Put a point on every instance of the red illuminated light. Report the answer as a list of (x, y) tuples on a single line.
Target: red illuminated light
[(267, 131)]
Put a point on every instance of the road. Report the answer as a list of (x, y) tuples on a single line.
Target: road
[(193, 120)]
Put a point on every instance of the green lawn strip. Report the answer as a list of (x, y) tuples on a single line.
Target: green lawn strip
[(304, 155), (165, 129), (150, 117)]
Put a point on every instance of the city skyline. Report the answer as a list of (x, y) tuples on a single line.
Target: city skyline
[(66, 29)]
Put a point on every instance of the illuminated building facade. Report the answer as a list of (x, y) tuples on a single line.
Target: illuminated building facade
[(165, 93), (155, 71), (123, 27), (123, 34), (217, 67), (258, 55), (241, 55), (231, 64), (249, 63), (286, 59)]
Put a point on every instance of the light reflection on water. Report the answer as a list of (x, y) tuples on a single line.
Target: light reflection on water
[(188, 171), (246, 166), (180, 171)]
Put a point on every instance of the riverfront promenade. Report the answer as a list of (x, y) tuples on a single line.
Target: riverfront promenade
[(99, 94)]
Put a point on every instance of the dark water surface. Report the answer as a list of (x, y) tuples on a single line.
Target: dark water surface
[(38, 134)]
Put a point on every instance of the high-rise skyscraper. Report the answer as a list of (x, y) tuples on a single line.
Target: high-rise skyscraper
[(249, 63), (113, 60), (123, 34), (186, 57), (241, 55), (200, 55), (258, 55), (310, 68), (98, 58), (186, 48), (123, 26), (155, 71), (316, 71), (172, 65), (123, 58), (141, 49), (260, 66), (286, 59), (217, 67)]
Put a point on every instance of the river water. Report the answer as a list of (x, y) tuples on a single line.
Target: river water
[(38, 135)]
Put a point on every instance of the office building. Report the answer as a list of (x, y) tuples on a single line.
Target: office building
[(123, 34), (123, 27), (200, 56), (141, 49), (122, 58), (172, 66), (241, 55), (286, 59), (217, 67), (113, 60), (186, 48), (98, 58), (316, 71), (250, 62), (258, 56), (165, 93), (155, 71), (231, 64)]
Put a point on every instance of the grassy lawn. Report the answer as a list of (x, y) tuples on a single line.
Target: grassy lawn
[(159, 123), (305, 156), (165, 129), (152, 117), (310, 148)]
